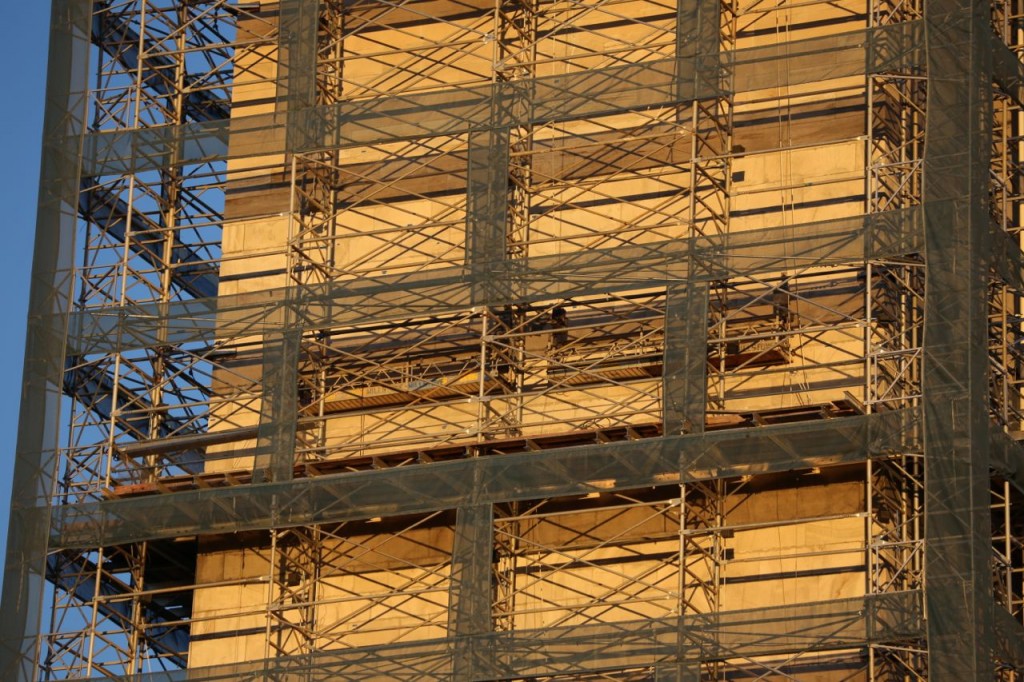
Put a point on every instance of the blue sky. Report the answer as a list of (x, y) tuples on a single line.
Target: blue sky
[(23, 36)]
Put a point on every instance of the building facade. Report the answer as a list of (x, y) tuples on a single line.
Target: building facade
[(662, 340)]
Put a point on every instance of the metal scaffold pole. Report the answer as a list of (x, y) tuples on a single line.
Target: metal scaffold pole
[(532, 340)]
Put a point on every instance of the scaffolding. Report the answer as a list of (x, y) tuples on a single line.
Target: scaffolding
[(647, 340)]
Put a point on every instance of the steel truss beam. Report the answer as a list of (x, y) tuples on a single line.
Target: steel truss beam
[(567, 471)]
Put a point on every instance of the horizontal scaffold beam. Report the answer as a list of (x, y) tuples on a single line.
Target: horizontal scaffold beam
[(586, 94), (567, 471), (501, 478), (666, 643), (886, 235)]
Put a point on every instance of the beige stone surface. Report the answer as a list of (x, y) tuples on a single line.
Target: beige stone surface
[(797, 155)]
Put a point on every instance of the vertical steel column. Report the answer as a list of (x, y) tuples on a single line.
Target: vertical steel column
[(515, 52), (703, 555), (50, 298), (275, 436), (892, 340), (704, 30), (958, 525), (486, 209), (895, 501), (297, 69), (302, 85), (487, 186), (711, 119), (506, 550), (469, 609), (297, 93), (686, 341), (296, 559)]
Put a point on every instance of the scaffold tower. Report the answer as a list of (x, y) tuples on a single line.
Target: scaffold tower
[(525, 340)]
